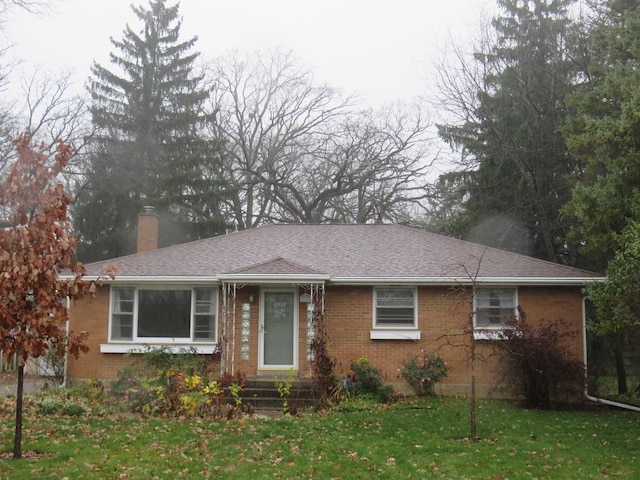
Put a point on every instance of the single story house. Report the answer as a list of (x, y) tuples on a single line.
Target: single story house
[(384, 291)]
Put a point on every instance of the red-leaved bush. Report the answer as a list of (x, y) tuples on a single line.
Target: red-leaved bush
[(537, 364)]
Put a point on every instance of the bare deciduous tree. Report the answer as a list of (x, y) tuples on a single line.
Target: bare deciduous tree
[(368, 167), (47, 113), (266, 106), (295, 152)]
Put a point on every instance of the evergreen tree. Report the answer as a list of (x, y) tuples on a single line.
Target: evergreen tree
[(604, 133), (515, 162), (148, 111)]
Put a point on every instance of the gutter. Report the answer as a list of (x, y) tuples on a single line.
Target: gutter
[(481, 281), (591, 398)]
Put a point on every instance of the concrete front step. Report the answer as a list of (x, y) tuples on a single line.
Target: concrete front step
[(262, 394)]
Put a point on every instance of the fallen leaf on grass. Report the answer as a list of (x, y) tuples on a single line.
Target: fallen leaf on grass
[(28, 454)]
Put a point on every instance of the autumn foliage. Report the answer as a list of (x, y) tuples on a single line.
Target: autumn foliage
[(36, 248), (537, 363)]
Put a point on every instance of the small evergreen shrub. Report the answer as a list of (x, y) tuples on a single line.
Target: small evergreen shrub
[(423, 371), (368, 381)]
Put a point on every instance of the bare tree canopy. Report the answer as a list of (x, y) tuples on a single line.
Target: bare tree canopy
[(297, 152)]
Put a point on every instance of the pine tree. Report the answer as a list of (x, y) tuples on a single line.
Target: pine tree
[(516, 162), (148, 112)]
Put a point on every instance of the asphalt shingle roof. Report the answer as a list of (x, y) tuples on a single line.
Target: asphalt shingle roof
[(341, 251)]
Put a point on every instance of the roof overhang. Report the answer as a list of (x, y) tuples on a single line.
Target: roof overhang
[(325, 278), (273, 278), (149, 279), (448, 281)]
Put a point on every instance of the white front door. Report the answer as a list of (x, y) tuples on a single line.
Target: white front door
[(278, 329)]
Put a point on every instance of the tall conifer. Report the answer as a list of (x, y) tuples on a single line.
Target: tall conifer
[(515, 161), (148, 110)]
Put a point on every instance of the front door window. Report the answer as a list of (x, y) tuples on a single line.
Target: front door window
[(279, 328)]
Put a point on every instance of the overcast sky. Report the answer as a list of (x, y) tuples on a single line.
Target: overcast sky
[(378, 49)]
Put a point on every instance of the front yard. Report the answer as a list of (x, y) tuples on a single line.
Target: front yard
[(412, 439)]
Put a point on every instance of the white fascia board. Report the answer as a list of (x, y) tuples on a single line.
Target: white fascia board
[(439, 281), (277, 278), (150, 279), (320, 278)]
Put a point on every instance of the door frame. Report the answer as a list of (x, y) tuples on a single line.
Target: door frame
[(296, 328)]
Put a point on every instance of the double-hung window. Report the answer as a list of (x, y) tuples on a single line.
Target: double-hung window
[(395, 308), (155, 314), (494, 307)]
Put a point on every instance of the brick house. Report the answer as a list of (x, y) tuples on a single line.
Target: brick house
[(386, 291)]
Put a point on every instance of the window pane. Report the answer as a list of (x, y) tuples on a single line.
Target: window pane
[(122, 327), (205, 303), (123, 300), (164, 313), (395, 307), (394, 316), (494, 306), (395, 298), (205, 315), (122, 314), (204, 327)]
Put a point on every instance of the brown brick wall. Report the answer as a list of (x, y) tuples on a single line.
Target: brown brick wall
[(92, 315), (443, 315)]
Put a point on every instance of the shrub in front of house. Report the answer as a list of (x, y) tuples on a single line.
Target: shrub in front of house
[(368, 380), (536, 362), (177, 384), (57, 401), (423, 371)]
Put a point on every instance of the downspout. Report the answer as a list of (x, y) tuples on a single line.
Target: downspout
[(604, 401), (66, 352)]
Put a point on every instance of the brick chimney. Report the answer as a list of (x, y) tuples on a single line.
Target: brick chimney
[(147, 230)]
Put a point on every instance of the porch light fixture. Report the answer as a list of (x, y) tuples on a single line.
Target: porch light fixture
[(305, 298), (251, 298)]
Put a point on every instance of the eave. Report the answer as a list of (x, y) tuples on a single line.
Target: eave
[(274, 278), (450, 281), (325, 278)]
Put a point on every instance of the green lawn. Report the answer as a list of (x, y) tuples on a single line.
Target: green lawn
[(409, 440)]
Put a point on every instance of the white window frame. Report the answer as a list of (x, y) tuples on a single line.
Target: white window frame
[(135, 340), (491, 332), (395, 331)]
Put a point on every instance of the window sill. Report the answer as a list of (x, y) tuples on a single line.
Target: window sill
[(173, 348), (487, 334), (395, 334)]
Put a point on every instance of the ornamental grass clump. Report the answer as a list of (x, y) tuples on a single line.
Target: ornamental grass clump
[(423, 371)]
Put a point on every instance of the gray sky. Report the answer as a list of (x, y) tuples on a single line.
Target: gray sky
[(379, 49)]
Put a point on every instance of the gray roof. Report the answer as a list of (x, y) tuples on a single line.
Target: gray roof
[(341, 254)]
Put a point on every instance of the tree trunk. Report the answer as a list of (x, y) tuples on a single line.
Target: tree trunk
[(472, 405), (474, 434), (17, 440)]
